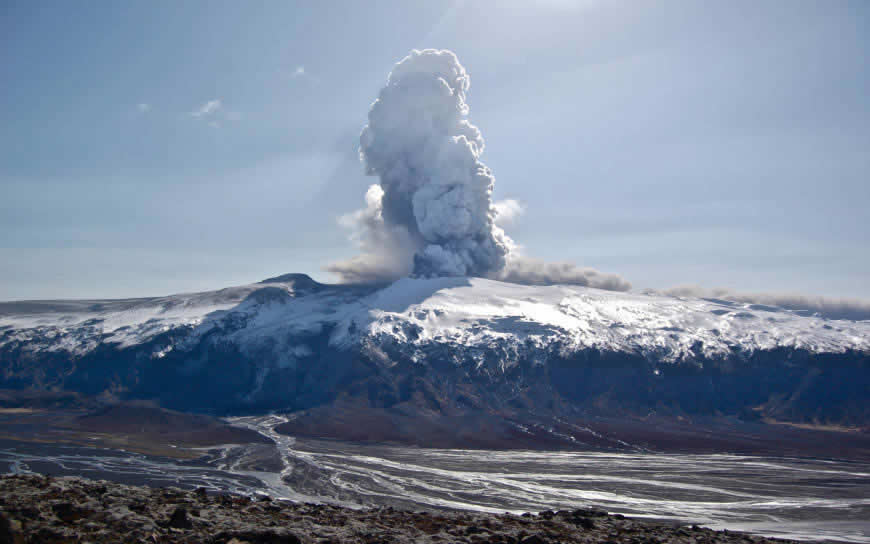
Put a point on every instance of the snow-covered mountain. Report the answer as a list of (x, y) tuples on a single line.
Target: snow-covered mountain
[(292, 343), (468, 314)]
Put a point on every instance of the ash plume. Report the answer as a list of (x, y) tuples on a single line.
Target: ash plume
[(432, 213), (425, 152), (528, 271), (831, 308)]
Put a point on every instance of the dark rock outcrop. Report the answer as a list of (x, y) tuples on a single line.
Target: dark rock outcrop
[(119, 513)]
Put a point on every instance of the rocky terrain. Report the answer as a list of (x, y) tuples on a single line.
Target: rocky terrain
[(46, 510)]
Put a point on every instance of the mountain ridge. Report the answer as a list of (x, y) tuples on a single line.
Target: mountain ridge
[(503, 354)]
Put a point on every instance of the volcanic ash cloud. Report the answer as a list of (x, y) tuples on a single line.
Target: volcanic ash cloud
[(432, 214)]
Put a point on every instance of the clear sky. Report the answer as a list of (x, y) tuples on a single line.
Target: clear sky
[(155, 147)]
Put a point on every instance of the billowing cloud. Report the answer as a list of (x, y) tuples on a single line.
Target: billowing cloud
[(207, 109), (432, 213), (507, 211), (302, 75), (387, 250), (832, 308), (425, 152)]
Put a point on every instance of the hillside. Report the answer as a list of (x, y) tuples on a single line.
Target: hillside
[(463, 355)]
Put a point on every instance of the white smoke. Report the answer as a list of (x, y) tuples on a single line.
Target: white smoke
[(832, 308), (387, 250), (432, 212), (425, 152), (507, 211)]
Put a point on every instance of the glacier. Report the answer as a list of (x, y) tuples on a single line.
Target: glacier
[(468, 313)]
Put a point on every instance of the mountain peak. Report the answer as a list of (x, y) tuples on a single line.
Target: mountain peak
[(297, 279)]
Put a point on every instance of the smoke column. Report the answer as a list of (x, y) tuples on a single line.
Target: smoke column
[(432, 214), (426, 154)]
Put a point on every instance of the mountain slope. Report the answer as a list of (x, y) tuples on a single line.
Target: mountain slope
[(444, 350)]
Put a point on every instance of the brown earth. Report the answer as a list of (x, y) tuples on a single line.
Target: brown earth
[(355, 420), (139, 427), (144, 427)]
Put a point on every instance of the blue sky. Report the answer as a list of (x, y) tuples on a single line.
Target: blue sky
[(156, 147)]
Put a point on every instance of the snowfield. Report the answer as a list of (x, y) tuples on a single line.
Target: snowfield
[(477, 312), (470, 315)]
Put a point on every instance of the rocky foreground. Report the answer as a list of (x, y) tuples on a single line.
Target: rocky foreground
[(42, 509)]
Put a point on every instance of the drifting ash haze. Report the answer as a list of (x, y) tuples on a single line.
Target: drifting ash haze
[(831, 308), (432, 212)]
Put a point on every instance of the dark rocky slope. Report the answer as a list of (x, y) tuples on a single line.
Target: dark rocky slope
[(44, 510)]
